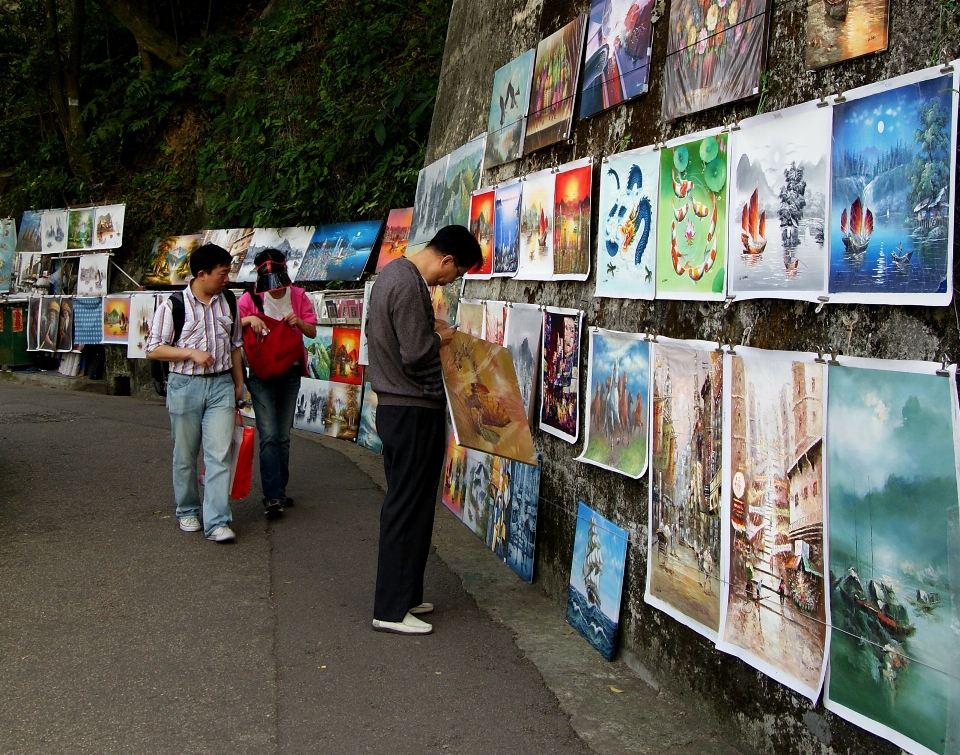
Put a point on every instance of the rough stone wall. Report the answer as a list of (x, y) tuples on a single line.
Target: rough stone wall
[(484, 36)]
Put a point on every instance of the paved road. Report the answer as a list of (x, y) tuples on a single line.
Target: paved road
[(119, 633)]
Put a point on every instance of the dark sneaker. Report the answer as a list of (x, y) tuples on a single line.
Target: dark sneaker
[(273, 508), (288, 503)]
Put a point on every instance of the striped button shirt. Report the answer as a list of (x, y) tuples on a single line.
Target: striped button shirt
[(205, 327)]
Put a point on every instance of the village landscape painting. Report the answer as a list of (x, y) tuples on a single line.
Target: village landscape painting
[(234, 240), (170, 265), (328, 408)]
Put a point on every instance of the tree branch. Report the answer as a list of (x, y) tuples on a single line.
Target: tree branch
[(148, 36)]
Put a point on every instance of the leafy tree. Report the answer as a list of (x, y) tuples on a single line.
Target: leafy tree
[(930, 170)]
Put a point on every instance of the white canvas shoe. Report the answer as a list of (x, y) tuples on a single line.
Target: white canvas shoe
[(422, 608), (222, 534), (190, 524), (410, 625)]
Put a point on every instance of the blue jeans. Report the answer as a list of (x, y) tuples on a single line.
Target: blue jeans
[(274, 403), (202, 409)]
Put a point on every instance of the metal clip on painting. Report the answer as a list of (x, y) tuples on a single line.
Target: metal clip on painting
[(652, 337), (944, 363), (819, 358), (730, 299), (839, 98), (735, 126), (822, 102), (824, 300)]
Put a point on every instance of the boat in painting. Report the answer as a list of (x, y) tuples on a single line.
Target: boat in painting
[(858, 229), (592, 565), (753, 232)]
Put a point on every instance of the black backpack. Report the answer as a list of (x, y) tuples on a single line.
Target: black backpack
[(160, 370)]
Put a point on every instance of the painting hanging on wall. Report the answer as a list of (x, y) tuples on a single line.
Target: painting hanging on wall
[(29, 238), (506, 229), (338, 251), (494, 320), (715, 54), (395, 237), (683, 548), (48, 329), (560, 373), (462, 178), (779, 185), (92, 275), (486, 410), (53, 229), (691, 231), (328, 408), (8, 243), (839, 30), (116, 319), (292, 241), (35, 321), (344, 356), (893, 168), (234, 240), (170, 260), (617, 65), (521, 337), (554, 87), (618, 402), (470, 318), (87, 320), (627, 237), (428, 203), (318, 352), (367, 435), (142, 307), (536, 226), (65, 325), (596, 580), (63, 279), (571, 220), (894, 537), (774, 610), (108, 226), (446, 300), (508, 110), (482, 227), (80, 229)]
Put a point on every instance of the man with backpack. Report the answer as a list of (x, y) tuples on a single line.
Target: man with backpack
[(198, 332)]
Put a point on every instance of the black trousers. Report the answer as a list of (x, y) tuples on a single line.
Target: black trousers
[(413, 448)]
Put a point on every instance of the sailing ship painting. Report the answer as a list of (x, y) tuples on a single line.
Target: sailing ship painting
[(753, 229), (892, 483), (536, 227), (596, 580)]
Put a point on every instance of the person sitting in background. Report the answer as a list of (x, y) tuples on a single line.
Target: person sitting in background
[(275, 399)]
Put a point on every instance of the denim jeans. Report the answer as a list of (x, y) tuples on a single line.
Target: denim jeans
[(202, 409), (274, 403)]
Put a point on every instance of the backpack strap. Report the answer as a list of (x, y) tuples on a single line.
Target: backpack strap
[(179, 315), (232, 303)]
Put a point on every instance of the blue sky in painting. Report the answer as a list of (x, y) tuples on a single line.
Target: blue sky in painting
[(634, 356), (613, 546)]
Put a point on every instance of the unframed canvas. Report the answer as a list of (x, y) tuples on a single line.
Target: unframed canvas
[(536, 227), (560, 373), (508, 110), (571, 220)]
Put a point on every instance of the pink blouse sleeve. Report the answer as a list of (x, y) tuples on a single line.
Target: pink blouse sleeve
[(302, 305)]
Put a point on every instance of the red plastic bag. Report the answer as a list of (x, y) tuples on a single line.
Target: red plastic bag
[(273, 354), (241, 464)]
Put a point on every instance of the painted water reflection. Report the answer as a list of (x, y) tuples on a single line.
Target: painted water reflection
[(863, 31)]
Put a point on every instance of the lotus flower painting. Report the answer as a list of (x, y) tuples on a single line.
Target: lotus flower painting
[(891, 207)]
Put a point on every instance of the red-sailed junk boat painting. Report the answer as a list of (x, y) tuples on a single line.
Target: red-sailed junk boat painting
[(754, 227), (856, 234)]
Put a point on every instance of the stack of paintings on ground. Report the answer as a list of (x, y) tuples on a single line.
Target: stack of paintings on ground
[(330, 401)]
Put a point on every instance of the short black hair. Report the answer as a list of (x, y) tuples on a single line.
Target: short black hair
[(459, 243), (205, 258), (268, 254)]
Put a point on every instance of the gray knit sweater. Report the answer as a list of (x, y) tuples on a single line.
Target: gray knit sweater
[(403, 347)]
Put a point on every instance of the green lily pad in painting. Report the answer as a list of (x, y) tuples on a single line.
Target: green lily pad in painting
[(709, 149), (717, 287), (681, 158), (715, 175)]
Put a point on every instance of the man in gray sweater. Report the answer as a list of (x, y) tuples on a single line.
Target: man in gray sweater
[(404, 341)]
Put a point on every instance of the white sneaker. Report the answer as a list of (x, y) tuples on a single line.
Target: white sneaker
[(422, 608), (410, 625), (222, 534), (190, 524)]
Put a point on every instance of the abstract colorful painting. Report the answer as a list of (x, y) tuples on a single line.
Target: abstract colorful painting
[(596, 580), (367, 435), (691, 230), (428, 202), (554, 87), (482, 227), (618, 402), (108, 226), (318, 352), (170, 260), (463, 174), (92, 275), (80, 229), (774, 613), (395, 236), (536, 226), (486, 410), (49, 325), (778, 204), (328, 408), (338, 251), (683, 548), (893, 541), (506, 229), (65, 325), (234, 240), (521, 337), (508, 110), (571, 220), (29, 235), (494, 320), (560, 373), (344, 356), (617, 65), (839, 30), (470, 318), (716, 54), (891, 207), (53, 230), (8, 244), (116, 319), (292, 241), (627, 233), (142, 307)]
